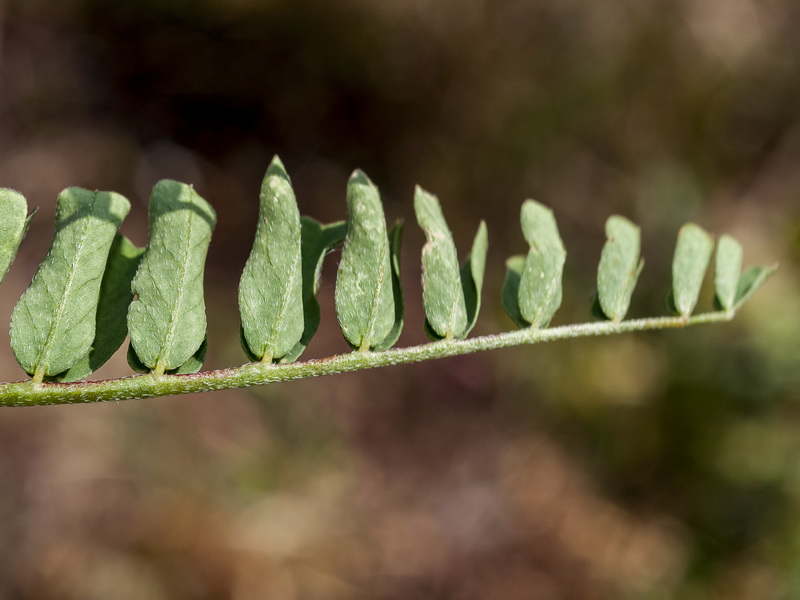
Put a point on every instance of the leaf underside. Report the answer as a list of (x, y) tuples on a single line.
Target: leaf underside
[(395, 238), (364, 298), (451, 294), (752, 279), (539, 293), (442, 291), (510, 292), (53, 324), (271, 287), (167, 320), (192, 365), (689, 265), (111, 327), (619, 268), (727, 271), (317, 240), (472, 273), (13, 225), (95, 287)]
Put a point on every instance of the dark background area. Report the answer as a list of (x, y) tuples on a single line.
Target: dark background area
[(649, 466)]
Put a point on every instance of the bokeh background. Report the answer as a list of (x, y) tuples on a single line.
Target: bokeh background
[(650, 466)]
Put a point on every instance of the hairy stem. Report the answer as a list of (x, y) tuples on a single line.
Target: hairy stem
[(30, 393)]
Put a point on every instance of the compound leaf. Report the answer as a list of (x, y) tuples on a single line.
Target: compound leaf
[(167, 320), (727, 271), (111, 325), (540, 280), (53, 324), (689, 265), (364, 298), (317, 240), (442, 292), (271, 287), (619, 267), (13, 225)]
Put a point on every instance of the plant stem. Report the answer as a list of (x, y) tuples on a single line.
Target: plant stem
[(30, 393)]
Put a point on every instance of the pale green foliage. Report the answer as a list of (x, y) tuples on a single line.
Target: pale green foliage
[(540, 281), (451, 294), (728, 269), (619, 267), (95, 287), (365, 302), (271, 288), (53, 324), (395, 238), (442, 296), (732, 287), (111, 326), (167, 320), (752, 279), (317, 241), (509, 295), (689, 265), (472, 271), (13, 224)]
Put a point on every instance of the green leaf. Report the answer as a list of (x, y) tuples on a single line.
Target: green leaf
[(395, 237), (509, 297), (727, 270), (442, 292), (472, 271), (13, 225), (364, 296), (271, 287), (689, 266), (540, 281), (619, 268), (53, 324), (167, 320), (111, 326), (752, 279), (317, 241)]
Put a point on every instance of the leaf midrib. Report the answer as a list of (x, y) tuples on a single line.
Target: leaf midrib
[(551, 290), (169, 335), (376, 298), (39, 372), (436, 236), (284, 303)]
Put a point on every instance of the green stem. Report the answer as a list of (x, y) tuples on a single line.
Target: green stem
[(30, 393)]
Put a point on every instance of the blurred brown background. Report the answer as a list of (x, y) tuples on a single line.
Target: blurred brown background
[(648, 466)]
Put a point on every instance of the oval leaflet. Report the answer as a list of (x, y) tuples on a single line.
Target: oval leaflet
[(167, 320)]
